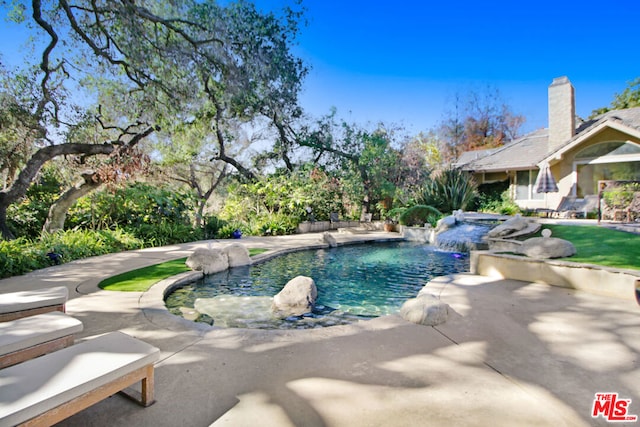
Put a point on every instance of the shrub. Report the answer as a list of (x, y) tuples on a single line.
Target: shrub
[(277, 225), (420, 215), (165, 233), (22, 255), (212, 226), (620, 197), (504, 205), (449, 189)]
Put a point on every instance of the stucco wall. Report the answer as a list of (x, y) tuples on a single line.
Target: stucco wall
[(563, 170), (586, 277)]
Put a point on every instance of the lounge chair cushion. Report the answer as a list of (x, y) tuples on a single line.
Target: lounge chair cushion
[(28, 300), (31, 331), (39, 385)]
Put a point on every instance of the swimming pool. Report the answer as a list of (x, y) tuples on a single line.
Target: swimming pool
[(354, 283)]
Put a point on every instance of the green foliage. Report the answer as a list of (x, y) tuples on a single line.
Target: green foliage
[(277, 204), (493, 202), (212, 225), (620, 197), (165, 233), (420, 215), (27, 218), (22, 255), (278, 225), (629, 98), (156, 215), (448, 190)]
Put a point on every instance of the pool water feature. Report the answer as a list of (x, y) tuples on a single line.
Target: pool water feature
[(354, 283), (464, 237)]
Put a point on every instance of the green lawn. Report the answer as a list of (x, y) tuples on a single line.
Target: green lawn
[(143, 278), (599, 245)]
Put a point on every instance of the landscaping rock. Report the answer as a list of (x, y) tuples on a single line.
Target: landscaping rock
[(546, 247), (296, 298), (425, 309), (510, 227), (238, 255), (445, 223), (329, 239), (208, 261)]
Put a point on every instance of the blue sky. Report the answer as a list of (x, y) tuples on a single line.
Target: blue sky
[(403, 62)]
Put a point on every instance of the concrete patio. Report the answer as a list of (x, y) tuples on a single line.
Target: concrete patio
[(512, 353)]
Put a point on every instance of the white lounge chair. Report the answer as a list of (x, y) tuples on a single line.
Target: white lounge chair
[(29, 337), (50, 388), (14, 305)]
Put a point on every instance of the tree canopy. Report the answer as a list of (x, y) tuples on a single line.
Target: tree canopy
[(128, 70)]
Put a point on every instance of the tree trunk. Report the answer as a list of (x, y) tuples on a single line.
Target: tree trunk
[(58, 211), (34, 164), (23, 181)]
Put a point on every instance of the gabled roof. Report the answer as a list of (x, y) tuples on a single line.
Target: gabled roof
[(532, 150), (522, 153), (626, 121)]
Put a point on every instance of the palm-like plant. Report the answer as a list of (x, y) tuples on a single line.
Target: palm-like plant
[(449, 189)]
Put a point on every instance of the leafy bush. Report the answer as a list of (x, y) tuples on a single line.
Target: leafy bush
[(226, 231), (22, 255), (165, 233), (131, 206), (420, 215), (448, 190), (620, 197), (504, 205), (212, 226), (277, 225)]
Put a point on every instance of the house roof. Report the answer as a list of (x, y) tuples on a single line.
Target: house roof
[(531, 150), (627, 121), (522, 153)]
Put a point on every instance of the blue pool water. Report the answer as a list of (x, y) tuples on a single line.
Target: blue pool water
[(354, 283)]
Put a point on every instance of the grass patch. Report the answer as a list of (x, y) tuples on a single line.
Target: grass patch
[(599, 245), (143, 278)]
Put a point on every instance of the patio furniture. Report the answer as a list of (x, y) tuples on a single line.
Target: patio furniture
[(29, 337), (15, 305), (50, 388)]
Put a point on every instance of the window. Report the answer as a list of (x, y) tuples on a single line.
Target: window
[(613, 160), (589, 174), (525, 181)]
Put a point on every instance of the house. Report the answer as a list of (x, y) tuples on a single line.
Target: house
[(579, 154)]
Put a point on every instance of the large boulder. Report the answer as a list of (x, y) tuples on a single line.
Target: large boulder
[(445, 223), (238, 255), (296, 298), (208, 260), (425, 309), (546, 247), (510, 227)]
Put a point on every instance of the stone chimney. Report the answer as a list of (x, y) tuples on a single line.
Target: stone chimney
[(562, 112)]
